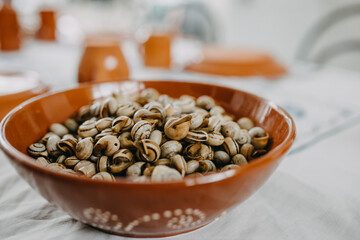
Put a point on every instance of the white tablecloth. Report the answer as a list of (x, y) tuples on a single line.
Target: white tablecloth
[(314, 194)]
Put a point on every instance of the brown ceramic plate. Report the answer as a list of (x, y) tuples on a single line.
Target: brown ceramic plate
[(239, 62), (144, 209)]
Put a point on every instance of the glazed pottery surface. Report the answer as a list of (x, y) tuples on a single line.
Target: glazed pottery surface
[(17, 87), (144, 209)]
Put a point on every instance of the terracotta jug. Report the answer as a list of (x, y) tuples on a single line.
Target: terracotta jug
[(47, 30), (156, 51), (10, 31), (102, 61)]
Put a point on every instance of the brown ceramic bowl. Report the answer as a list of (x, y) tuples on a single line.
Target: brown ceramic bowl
[(17, 87), (144, 209)]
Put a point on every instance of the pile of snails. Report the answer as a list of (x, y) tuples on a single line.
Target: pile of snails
[(150, 137)]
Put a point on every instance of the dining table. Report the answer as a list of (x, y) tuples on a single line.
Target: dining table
[(313, 194)]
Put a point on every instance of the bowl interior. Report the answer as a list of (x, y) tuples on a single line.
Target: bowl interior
[(30, 122)]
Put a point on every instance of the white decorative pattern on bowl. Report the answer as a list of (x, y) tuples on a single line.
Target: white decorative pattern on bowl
[(176, 219)]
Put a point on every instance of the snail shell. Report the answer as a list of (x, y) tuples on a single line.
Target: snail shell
[(149, 94), (230, 129), (198, 151), (163, 173), (123, 155), (122, 159), (214, 123), (67, 146), (46, 137), (94, 159), (148, 170), (84, 148), (217, 110), (84, 113), (103, 123), (195, 174), (87, 129), (247, 150), (69, 171), (87, 168), (103, 164), (165, 99), (206, 166), (260, 142), (205, 102), (215, 139), (125, 141), (177, 128), (156, 136), (186, 104), (122, 123), (136, 169), (239, 159), (231, 146), (156, 107), (226, 118), (179, 163), (258, 153), (257, 132), (221, 158), (196, 136), (107, 145), (147, 150), (172, 111), (202, 112), (71, 124), (95, 108), (170, 148), (127, 110), (196, 120), (163, 161), (70, 162), (105, 132), (61, 159), (108, 107), (243, 137), (51, 146), (55, 166), (37, 150), (58, 129), (42, 161), (140, 179), (141, 130), (104, 176), (145, 114), (245, 123), (192, 166), (230, 166)]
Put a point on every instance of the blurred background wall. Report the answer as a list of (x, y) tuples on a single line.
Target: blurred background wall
[(277, 26)]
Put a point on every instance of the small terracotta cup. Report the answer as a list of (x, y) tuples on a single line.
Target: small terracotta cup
[(156, 51), (47, 30), (10, 31), (102, 61), (21, 87)]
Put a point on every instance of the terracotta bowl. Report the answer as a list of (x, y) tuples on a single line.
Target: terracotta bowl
[(16, 87), (144, 209)]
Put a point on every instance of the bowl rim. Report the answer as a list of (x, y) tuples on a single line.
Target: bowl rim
[(40, 86), (271, 156)]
